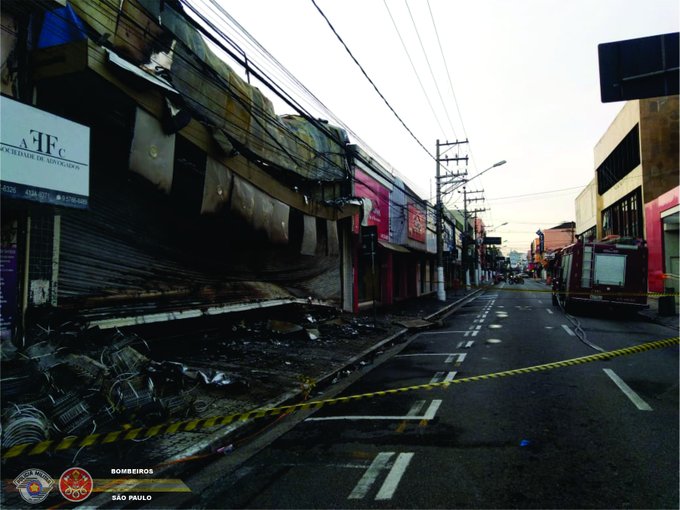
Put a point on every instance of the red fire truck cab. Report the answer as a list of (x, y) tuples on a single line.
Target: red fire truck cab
[(610, 273)]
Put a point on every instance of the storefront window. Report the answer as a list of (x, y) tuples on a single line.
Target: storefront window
[(624, 218), (671, 240)]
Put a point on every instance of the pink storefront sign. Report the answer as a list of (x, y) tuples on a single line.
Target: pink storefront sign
[(417, 225), (379, 214)]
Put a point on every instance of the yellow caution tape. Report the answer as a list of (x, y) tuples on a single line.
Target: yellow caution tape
[(585, 292), (204, 423)]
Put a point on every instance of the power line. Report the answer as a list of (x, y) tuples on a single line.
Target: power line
[(371, 81), (304, 93), (415, 71), (436, 85), (448, 74), (294, 82), (278, 90), (213, 76), (210, 105), (537, 193)]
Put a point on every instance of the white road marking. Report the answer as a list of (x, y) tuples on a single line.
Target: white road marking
[(437, 377), (430, 413), (394, 476), (461, 357), (306, 464), (628, 391), (549, 311), (469, 344), (440, 332), (540, 302), (569, 331), (364, 485), (431, 410), (460, 344), (450, 376), (417, 407), (474, 333), (431, 354)]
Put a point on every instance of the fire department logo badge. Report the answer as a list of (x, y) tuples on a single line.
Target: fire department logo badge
[(34, 485), (75, 484)]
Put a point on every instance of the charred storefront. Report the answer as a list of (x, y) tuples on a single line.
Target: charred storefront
[(153, 204), (195, 196), (144, 182)]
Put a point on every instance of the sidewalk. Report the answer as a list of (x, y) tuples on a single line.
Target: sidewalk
[(652, 313), (267, 371)]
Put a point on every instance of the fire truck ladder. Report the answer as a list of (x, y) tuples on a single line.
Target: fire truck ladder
[(587, 274)]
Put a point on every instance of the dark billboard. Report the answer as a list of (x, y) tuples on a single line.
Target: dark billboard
[(639, 68)]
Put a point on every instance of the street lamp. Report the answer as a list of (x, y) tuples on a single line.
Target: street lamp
[(496, 228), (465, 181)]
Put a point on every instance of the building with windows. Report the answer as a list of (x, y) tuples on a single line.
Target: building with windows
[(542, 250), (634, 192)]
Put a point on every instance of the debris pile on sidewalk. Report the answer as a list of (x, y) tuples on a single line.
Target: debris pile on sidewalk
[(74, 382), (77, 381), (69, 379)]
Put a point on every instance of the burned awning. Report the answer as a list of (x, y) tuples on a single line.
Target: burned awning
[(160, 40), (139, 73)]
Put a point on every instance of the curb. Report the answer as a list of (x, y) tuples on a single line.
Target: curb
[(222, 437), (211, 442), (449, 309)]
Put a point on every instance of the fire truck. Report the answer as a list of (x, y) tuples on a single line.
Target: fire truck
[(611, 272)]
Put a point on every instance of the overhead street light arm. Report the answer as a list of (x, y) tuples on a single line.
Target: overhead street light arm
[(492, 229), (465, 181)]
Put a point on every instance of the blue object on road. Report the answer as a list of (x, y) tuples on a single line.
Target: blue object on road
[(524, 442)]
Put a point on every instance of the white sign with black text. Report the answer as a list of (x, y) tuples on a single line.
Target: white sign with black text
[(43, 157)]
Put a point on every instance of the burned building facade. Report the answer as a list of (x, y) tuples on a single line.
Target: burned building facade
[(190, 196), (146, 184)]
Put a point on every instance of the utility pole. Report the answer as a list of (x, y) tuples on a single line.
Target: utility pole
[(441, 290), (467, 236), (477, 247)]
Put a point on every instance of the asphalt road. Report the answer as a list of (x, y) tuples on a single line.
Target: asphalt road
[(598, 435)]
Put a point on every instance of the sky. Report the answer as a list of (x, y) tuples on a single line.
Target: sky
[(518, 79)]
